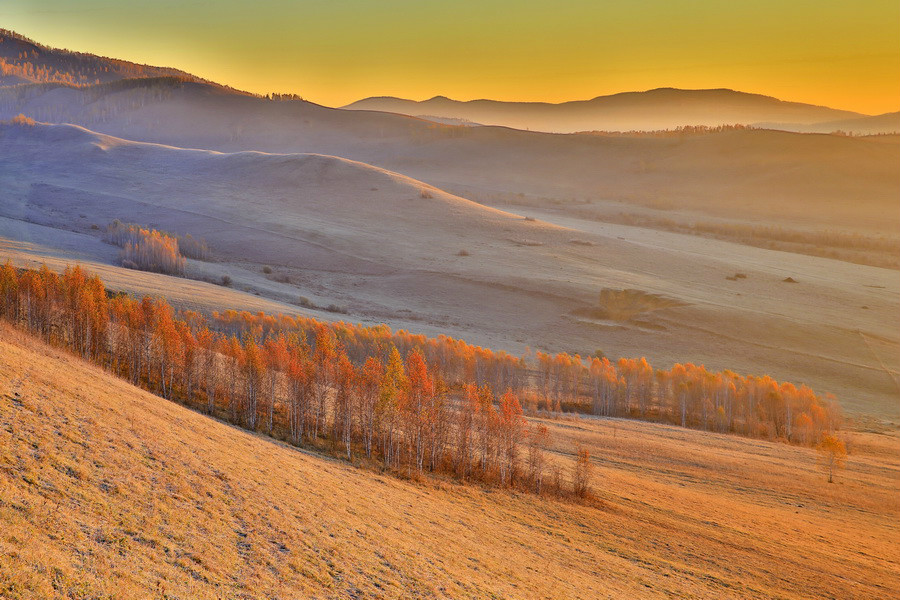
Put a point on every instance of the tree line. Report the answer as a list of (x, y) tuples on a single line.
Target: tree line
[(679, 131), (687, 395), (410, 403), (392, 409)]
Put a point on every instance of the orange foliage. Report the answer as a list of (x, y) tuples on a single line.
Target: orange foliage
[(349, 386)]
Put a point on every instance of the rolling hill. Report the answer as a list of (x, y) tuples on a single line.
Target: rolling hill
[(106, 490), (800, 180), (663, 108), (391, 249)]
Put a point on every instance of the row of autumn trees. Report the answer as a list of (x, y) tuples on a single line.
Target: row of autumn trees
[(687, 395), (410, 402), (387, 407)]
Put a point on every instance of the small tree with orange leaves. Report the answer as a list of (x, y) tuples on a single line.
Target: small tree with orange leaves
[(832, 454)]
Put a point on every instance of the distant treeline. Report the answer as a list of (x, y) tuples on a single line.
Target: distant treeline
[(681, 130), (152, 250), (283, 97), (411, 403), (37, 73), (40, 64)]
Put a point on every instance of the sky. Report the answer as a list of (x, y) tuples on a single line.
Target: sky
[(837, 53)]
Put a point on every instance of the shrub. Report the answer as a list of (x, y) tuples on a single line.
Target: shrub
[(226, 281)]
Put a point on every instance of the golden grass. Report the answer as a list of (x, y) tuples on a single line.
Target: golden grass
[(110, 492)]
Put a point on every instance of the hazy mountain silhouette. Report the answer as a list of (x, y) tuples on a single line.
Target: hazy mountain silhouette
[(664, 108)]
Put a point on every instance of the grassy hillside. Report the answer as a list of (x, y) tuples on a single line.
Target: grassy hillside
[(107, 491)]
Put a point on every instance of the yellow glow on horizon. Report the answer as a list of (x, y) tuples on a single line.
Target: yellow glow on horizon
[(844, 55)]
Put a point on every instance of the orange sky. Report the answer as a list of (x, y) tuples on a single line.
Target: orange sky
[(842, 54)]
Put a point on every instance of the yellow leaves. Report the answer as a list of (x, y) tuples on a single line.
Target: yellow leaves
[(833, 449), (832, 455)]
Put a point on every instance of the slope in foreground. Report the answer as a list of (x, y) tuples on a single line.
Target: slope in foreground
[(107, 491)]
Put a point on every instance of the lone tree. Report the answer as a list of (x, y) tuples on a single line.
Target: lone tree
[(832, 454)]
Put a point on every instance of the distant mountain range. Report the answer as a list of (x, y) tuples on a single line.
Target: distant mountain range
[(664, 108), (24, 61)]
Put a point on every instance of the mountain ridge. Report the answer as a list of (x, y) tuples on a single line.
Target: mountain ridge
[(648, 92), (654, 109)]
